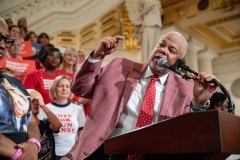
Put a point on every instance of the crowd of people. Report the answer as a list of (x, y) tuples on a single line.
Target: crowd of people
[(57, 114), (46, 116), (50, 63)]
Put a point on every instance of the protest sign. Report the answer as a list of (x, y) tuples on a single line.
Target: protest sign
[(21, 67), (26, 49)]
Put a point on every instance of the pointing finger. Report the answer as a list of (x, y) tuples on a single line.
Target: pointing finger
[(118, 38)]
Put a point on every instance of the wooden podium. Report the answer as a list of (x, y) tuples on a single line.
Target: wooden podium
[(211, 135)]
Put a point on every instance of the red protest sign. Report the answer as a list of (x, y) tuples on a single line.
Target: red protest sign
[(21, 67), (26, 49)]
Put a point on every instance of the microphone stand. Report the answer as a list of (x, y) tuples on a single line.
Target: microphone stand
[(231, 105)]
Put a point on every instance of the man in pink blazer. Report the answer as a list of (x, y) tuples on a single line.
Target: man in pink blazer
[(114, 88)]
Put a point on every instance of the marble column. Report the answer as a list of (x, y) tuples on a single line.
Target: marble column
[(191, 58), (205, 60)]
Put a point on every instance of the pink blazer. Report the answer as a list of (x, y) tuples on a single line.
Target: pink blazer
[(110, 89)]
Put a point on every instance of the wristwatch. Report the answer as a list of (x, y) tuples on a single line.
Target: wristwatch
[(69, 155)]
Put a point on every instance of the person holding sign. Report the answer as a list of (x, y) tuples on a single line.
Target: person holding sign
[(16, 62), (70, 115), (41, 80), (15, 142), (31, 36), (15, 50)]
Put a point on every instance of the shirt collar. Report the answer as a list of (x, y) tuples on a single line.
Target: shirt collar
[(148, 74)]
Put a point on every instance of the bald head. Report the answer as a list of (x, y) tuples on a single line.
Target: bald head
[(4, 32)]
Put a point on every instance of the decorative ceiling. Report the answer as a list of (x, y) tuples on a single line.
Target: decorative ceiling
[(223, 32), (214, 22)]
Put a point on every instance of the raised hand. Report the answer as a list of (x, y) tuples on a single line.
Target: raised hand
[(203, 88), (107, 46), (36, 97)]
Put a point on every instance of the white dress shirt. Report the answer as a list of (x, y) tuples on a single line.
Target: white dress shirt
[(128, 119)]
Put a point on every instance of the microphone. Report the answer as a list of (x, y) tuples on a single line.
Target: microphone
[(183, 66), (162, 62), (231, 105)]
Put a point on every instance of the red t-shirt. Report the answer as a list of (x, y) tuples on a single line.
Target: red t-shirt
[(62, 72), (40, 81)]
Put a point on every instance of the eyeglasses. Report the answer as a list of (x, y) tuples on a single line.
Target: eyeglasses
[(8, 41)]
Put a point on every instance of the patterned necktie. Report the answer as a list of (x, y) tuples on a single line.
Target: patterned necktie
[(146, 113)]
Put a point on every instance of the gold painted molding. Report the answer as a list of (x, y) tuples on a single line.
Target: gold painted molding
[(212, 36), (227, 33), (222, 20), (206, 32), (131, 44), (205, 29)]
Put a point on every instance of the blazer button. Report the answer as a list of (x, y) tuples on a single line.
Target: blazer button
[(101, 139), (86, 153)]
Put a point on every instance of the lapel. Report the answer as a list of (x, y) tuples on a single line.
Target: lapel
[(137, 71), (132, 78), (169, 95)]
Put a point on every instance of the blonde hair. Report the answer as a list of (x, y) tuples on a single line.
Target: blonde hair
[(69, 49), (57, 80)]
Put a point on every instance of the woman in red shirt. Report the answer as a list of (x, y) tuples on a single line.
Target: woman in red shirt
[(69, 63), (41, 80), (68, 67)]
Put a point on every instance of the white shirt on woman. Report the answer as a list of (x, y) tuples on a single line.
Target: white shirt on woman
[(72, 118)]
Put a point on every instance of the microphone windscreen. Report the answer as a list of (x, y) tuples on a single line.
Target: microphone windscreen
[(161, 61)]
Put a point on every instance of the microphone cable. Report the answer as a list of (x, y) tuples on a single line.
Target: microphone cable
[(231, 105)]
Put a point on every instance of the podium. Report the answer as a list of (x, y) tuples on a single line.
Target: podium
[(210, 135)]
